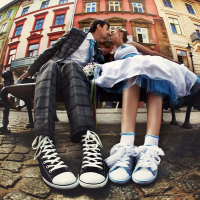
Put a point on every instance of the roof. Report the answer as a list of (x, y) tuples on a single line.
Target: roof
[(9, 4)]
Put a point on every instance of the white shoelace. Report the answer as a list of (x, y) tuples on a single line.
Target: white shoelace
[(148, 156), (120, 155), (92, 157), (45, 145)]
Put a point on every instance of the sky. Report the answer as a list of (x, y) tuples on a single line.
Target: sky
[(4, 2)]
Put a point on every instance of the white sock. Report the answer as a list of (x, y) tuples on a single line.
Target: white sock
[(151, 140), (128, 138)]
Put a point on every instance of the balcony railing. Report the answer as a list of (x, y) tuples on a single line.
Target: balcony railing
[(22, 62), (194, 36)]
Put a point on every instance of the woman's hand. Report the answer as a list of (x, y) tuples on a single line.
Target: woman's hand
[(24, 75)]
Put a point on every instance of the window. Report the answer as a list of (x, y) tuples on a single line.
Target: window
[(63, 1), (190, 8), (52, 42), (0, 17), (142, 35), (137, 7), (45, 4), (114, 27), (11, 56), (9, 13), (114, 6), (86, 29), (197, 28), (33, 49), (59, 20), (175, 26), (3, 28), (167, 3), (182, 57), (38, 24), (18, 30), (91, 7), (25, 10)]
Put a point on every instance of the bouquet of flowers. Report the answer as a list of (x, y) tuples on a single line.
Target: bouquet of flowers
[(89, 69)]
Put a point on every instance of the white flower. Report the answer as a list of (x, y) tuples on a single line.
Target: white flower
[(89, 69)]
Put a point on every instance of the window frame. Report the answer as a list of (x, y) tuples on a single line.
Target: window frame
[(186, 56), (38, 17), (114, 27), (137, 7), (29, 51), (197, 29), (60, 11), (175, 26), (9, 13), (38, 20), (24, 10), (11, 57), (59, 19), (18, 30), (146, 30), (188, 9), (51, 42), (3, 28), (54, 36), (86, 28), (90, 7), (63, 1), (18, 23), (43, 3), (167, 1), (109, 6)]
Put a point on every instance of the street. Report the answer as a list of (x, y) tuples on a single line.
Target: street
[(178, 174)]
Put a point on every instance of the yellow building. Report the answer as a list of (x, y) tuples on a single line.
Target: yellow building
[(182, 20)]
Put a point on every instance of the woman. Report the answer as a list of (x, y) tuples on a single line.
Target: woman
[(162, 79)]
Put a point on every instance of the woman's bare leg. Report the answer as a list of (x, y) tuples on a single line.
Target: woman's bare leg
[(146, 168), (121, 167), (130, 104), (154, 114)]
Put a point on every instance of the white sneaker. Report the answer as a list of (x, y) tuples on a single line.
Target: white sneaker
[(146, 168), (121, 163)]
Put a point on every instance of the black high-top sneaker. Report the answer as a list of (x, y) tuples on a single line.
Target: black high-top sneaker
[(54, 172), (93, 172)]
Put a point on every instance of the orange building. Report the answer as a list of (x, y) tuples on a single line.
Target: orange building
[(139, 17)]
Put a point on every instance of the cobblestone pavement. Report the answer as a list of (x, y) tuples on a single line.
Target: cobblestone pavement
[(179, 171)]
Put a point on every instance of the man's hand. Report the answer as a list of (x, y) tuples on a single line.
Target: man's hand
[(24, 75)]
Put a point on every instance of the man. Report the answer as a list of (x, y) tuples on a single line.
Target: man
[(60, 66)]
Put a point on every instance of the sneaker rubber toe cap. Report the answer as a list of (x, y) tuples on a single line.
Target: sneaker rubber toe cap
[(119, 175), (143, 175), (92, 178), (65, 178)]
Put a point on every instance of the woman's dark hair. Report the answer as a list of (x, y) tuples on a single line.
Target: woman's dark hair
[(125, 33), (93, 25)]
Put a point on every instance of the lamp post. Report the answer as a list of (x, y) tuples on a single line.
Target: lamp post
[(190, 49)]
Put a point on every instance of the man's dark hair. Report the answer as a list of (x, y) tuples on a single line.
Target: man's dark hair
[(93, 25)]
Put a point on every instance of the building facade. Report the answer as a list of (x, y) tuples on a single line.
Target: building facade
[(37, 25), (139, 17), (7, 15), (182, 21)]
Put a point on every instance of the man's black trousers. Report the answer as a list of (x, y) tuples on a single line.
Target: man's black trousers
[(73, 82)]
